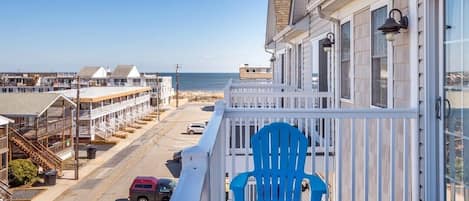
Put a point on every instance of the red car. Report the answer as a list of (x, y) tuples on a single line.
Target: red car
[(151, 189)]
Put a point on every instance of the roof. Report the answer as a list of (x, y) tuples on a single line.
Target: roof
[(278, 17), (298, 11), (4, 120), (88, 71), (28, 104), (282, 13), (123, 71), (95, 94)]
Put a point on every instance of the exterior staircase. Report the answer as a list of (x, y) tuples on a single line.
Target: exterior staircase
[(38, 153), (5, 194)]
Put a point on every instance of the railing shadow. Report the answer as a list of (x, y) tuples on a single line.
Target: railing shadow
[(174, 167)]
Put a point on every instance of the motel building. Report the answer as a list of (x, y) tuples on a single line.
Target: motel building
[(4, 123), (41, 128), (106, 110)]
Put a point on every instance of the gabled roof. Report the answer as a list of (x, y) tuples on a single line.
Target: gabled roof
[(278, 17), (298, 11), (282, 13), (125, 71), (5, 121), (28, 104), (96, 94), (89, 71)]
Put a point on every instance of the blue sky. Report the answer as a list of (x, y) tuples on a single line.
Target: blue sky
[(202, 35)]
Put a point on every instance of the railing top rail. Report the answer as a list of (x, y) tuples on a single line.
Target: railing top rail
[(371, 113), (285, 94), (207, 141)]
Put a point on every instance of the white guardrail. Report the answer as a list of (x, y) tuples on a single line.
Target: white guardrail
[(273, 96), (115, 107), (359, 152)]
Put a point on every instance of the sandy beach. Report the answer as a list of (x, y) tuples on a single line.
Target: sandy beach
[(201, 96)]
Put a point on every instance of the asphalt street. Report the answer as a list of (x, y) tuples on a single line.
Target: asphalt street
[(149, 155)]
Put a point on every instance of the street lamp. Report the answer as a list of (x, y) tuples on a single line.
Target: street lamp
[(329, 41), (391, 27)]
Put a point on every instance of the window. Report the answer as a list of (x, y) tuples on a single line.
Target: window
[(282, 65), (289, 71), (300, 66), (144, 186), (4, 160), (379, 66), (345, 79)]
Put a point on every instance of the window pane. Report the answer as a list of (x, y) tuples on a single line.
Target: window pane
[(345, 80), (300, 65), (453, 20), (379, 82), (4, 160), (345, 41), (379, 68), (345, 60)]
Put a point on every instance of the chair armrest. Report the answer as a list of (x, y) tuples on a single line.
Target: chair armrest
[(237, 185), (317, 187)]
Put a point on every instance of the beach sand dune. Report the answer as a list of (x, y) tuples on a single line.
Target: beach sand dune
[(201, 96)]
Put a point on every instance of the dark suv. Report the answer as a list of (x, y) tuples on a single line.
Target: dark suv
[(151, 189)]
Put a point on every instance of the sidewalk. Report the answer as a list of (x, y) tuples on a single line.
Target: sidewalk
[(65, 182)]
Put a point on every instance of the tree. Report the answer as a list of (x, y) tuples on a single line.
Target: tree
[(21, 171)]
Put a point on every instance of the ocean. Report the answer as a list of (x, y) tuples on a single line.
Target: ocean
[(202, 81)]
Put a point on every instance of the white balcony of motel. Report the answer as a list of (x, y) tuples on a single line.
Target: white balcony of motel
[(102, 110), (101, 101), (362, 154)]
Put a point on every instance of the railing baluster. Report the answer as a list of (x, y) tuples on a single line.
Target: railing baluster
[(338, 157), (326, 153), (365, 137), (378, 160), (404, 163), (352, 157), (313, 146), (392, 162), (246, 143)]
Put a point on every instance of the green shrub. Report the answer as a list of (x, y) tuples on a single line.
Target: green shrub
[(21, 171)]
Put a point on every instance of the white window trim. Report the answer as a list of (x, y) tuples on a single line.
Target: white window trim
[(350, 100), (278, 70), (390, 61)]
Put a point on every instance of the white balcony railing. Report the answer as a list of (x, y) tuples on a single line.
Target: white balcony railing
[(258, 94), (363, 154), (115, 107)]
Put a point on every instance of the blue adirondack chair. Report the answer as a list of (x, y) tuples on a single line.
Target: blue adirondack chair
[(279, 152)]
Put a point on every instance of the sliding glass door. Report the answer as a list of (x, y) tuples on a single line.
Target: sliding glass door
[(456, 89)]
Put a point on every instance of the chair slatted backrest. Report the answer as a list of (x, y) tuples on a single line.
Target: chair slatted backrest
[(279, 151)]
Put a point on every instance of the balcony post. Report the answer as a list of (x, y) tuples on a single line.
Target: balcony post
[(193, 181), (227, 95)]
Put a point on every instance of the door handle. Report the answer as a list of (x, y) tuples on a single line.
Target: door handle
[(448, 108), (438, 108)]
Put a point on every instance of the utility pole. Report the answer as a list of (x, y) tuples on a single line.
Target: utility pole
[(177, 85), (77, 129), (158, 87)]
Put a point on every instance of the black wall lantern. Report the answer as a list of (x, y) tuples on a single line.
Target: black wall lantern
[(391, 27), (328, 42), (272, 59)]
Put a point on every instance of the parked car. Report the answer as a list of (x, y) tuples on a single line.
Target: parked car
[(177, 156), (151, 189), (195, 128)]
